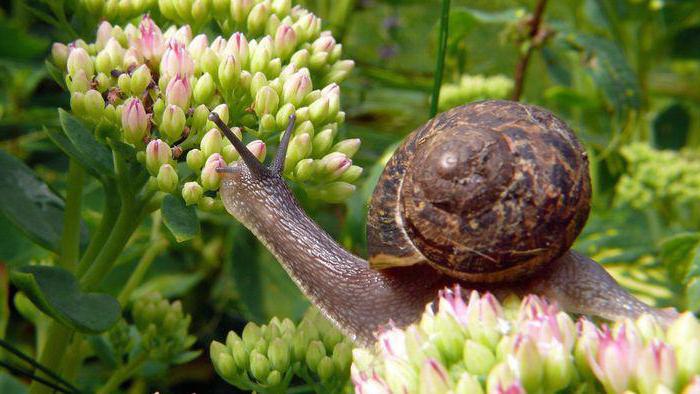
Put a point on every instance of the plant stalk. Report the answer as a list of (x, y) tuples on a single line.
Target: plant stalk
[(121, 374), (51, 355), (442, 49), (70, 239), (109, 217), (524, 59)]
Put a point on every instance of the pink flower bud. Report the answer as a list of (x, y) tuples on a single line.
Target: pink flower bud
[(296, 87), (238, 47), (258, 149), (157, 154), (134, 121), (339, 71), (79, 60), (325, 43), (197, 46), (372, 384), (229, 73), (614, 361), (285, 41), (176, 61), (266, 101), (656, 365), (104, 33), (334, 164), (149, 42), (211, 179), (178, 92), (514, 388), (392, 343)]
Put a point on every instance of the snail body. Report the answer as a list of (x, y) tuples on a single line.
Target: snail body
[(490, 195)]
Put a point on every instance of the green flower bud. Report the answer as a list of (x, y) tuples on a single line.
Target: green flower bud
[(323, 141), (478, 359), (221, 8), (259, 366), (278, 354), (229, 73), (342, 357), (315, 351), (325, 369), (124, 82), (251, 335), (281, 7), (209, 62), (257, 82), (304, 170), (468, 384), (167, 178), (59, 55), (257, 18), (78, 82), (222, 111), (103, 82), (688, 358), (299, 148), (305, 127), (208, 204), (530, 363), (77, 103), (211, 143), (500, 377), (222, 360), (339, 71), (683, 329), (318, 60), (266, 101), (211, 179), (199, 118), (274, 378), (335, 192), (240, 10), (318, 110), (200, 11), (103, 63), (140, 79), (195, 160), (559, 369), (173, 123), (204, 89), (300, 58), (274, 67), (94, 104), (192, 192), (157, 154), (283, 114), (351, 175)]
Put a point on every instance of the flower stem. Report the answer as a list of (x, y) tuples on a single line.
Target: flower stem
[(109, 216), (524, 58), (57, 338), (153, 250), (440, 64), (121, 374), (70, 239)]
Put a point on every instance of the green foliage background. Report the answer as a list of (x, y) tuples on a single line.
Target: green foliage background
[(623, 74)]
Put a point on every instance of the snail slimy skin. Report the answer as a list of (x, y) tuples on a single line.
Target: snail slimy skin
[(490, 195)]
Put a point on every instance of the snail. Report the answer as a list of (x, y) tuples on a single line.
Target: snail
[(490, 195)]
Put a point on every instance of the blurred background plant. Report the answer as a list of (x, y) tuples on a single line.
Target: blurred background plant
[(621, 73)]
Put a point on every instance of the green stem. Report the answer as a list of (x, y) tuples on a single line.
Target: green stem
[(141, 268), (70, 240), (122, 374), (109, 217), (440, 64), (51, 354)]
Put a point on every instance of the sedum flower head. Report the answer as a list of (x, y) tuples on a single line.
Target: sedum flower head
[(149, 82), (476, 344), (268, 358), (472, 88)]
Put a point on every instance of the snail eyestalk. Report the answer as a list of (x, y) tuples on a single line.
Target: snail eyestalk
[(248, 157), (278, 165)]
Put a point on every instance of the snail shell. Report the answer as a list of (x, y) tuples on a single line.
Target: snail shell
[(488, 192)]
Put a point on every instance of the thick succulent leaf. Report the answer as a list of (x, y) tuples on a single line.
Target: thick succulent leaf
[(93, 155), (29, 204), (55, 291), (180, 219)]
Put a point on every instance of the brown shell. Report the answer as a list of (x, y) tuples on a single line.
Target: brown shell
[(487, 192)]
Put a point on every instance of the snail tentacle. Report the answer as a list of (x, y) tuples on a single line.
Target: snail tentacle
[(255, 167)]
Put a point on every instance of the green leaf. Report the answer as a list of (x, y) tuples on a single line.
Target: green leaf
[(180, 219), (169, 285), (692, 294), (606, 64), (94, 155), (16, 44), (185, 357), (55, 291), (505, 16), (671, 127), (264, 288), (677, 253), (15, 248), (29, 204), (56, 74)]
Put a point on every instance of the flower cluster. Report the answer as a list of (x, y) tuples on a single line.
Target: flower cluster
[(474, 87), (266, 358), (654, 175), (117, 10), (157, 88), (482, 346), (163, 328)]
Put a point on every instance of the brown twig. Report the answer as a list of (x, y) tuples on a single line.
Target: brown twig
[(524, 59)]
